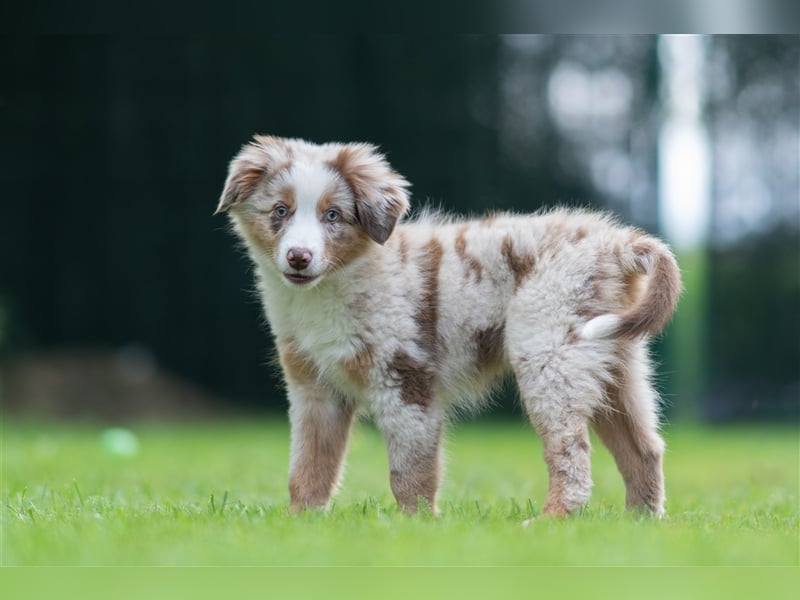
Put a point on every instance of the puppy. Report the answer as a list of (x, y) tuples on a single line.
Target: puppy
[(409, 322)]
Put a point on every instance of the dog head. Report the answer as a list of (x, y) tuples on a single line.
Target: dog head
[(308, 209)]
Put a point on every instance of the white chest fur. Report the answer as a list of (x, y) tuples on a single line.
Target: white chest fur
[(317, 320)]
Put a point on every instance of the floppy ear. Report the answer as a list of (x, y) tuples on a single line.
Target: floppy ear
[(256, 160), (381, 193)]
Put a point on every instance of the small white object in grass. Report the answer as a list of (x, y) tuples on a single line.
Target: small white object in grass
[(119, 442), (526, 522)]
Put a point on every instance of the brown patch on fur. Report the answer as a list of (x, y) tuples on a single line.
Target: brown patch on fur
[(416, 379), (521, 265), (471, 263), (286, 195), (357, 367), (427, 317), (326, 201), (297, 365), (632, 288), (324, 440), (347, 164), (490, 347), (347, 244)]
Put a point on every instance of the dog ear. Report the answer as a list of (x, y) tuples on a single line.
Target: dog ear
[(256, 160), (381, 194)]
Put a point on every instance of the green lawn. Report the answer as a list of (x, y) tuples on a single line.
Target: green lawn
[(215, 494)]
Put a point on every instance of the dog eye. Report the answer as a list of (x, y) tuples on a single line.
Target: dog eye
[(332, 215), (281, 211)]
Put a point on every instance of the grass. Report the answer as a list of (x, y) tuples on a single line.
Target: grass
[(215, 494)]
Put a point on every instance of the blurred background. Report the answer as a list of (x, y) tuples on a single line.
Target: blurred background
[(122, 298)]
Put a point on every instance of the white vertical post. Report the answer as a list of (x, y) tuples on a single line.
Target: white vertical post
[(684, 155), (685, 209)]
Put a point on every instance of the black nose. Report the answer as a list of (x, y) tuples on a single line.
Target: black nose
[(299, 258)]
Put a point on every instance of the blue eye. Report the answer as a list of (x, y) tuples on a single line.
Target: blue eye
[(281, 211), (332, 215)]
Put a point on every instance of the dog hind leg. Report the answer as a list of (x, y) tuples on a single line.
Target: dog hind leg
[(629, 429), (560, 394)]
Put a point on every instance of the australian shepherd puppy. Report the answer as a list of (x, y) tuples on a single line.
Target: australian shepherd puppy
[(407, 322)]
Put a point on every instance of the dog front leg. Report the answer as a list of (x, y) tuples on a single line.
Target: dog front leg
[(413, 435), (320, 429)]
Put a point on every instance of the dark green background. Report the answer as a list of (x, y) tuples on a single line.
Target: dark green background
[(113, 151)]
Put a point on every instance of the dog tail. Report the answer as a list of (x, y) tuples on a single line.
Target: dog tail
[(653, 309)]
